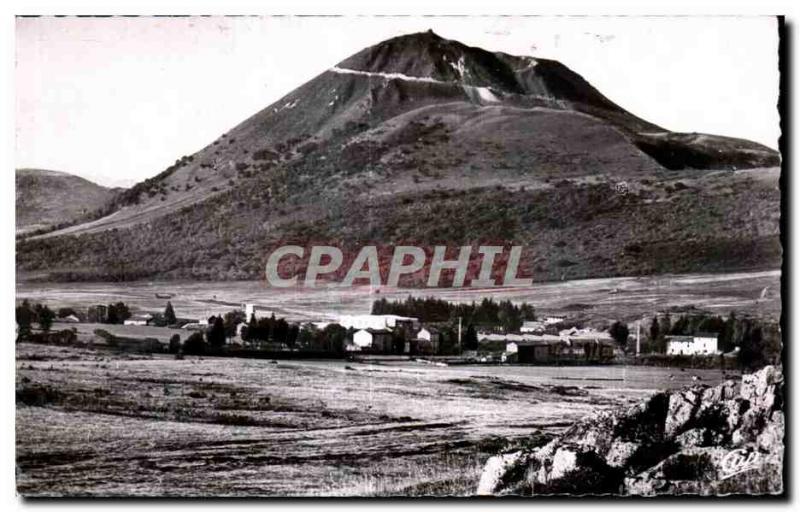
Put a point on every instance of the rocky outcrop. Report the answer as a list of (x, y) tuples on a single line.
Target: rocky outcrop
[(726, 439)]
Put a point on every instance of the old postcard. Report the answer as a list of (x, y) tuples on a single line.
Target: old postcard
[(399, 256)]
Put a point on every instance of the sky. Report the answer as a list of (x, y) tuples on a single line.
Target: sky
[(117, 100)]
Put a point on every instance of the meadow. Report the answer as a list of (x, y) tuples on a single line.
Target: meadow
[(96, 423), (593, 300)]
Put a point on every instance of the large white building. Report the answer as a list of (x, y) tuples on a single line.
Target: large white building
[(376, 321), (699, 344)]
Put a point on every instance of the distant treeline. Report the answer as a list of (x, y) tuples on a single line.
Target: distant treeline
[(504, 314)]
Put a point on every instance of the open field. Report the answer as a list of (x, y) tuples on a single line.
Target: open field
[(86, 330), (95, 423), (624, 298)]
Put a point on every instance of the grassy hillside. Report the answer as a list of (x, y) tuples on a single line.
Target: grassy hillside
[(433, 179), (48, 198)]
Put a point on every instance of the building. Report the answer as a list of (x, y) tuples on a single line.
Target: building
[(576, 336), (551, 349), (195, 326), (373, 340), (430, 334), (240, 327), (427, 341), (702, 343), (252, 309), (377, 322), (554, 319), (586, 332), (537, 352), (532, 326), (529, 348), (139, 319)]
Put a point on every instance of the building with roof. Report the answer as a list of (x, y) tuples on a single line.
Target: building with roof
[(372, 340), (139, 319), (377, 321), (702, 343)]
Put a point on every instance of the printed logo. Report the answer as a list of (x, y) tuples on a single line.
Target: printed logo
[(739, 461)]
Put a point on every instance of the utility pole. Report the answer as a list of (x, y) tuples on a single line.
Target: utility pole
[(459, 335), (638, 336)]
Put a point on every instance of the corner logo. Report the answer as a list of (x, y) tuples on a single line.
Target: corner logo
[(739, 461)]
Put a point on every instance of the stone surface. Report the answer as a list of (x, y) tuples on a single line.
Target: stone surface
[(726, 439)]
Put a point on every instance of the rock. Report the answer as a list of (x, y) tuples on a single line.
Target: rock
[(700, 440), (597, 433), (759, 387), (681, 410), (698, 437), (620, 453), (772, 434), (710, 471), (495, 471), (564, 461)]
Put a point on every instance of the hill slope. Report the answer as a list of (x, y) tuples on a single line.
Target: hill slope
[(48, 198), (424, 140)]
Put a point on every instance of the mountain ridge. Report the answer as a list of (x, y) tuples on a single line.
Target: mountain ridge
[(412, 124), (46, 198)]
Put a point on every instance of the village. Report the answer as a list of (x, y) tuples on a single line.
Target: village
[(253, 331)]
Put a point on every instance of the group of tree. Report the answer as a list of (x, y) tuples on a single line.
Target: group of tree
[(504, 315), (27, 315), (332, 338), (118, 313), (115, 313), (224, 327), (275, 330), (619, 332)]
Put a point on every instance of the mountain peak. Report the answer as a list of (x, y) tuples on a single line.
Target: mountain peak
[(428, 56)]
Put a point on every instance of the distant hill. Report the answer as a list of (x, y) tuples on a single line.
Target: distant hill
[(421, 139), (48, 198)]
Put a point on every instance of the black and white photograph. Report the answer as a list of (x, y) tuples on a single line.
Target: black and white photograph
[(263, 256)]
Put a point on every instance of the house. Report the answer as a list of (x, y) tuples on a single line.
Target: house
[(71, 319), (374, 340), (702, 343), (532, 326), (429, 334), (427, 342), (548, 348), (241, 326), (533, 348), (554, 319), (139, 319)]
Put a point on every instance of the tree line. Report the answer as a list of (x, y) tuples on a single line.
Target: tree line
[(504, 315)]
